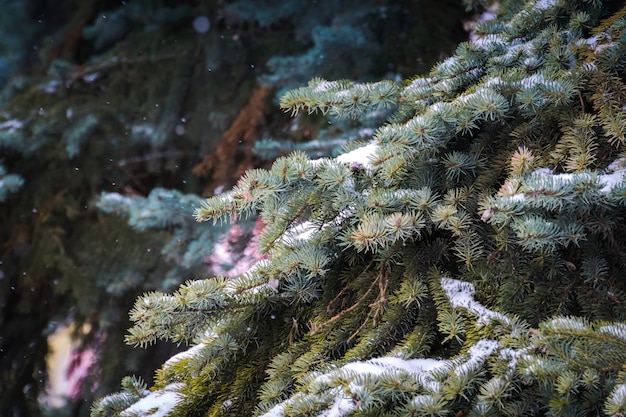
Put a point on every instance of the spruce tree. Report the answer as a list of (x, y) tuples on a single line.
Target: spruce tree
[(118, 118), (466, 260)]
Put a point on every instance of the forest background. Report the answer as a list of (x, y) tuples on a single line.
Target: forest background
[(117, 119)]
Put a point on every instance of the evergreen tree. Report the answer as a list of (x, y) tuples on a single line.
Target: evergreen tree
[(466, 260)]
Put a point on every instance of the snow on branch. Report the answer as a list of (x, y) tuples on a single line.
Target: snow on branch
[(361, 156), (461, 294), (156, 404)]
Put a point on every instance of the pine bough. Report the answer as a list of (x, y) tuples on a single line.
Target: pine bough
[(467, 259)]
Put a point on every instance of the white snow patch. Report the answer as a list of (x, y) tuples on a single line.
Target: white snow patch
[(317, 162), (489, 39), (532, 62), (421, 81), (343, 215), (12, 125), (478, 353), (615, 177), (156, 404), (193, 351), (564, 178), (618, 165), (482, 349), (89, 78), (494, 82), (545, 4), (226, 197), (599, 42), (447, 64), (413, 366), (360, 155), (513, 355), (533, 80), (341, 407), (323, 86), (516, 197), (421, 369), (619, 394), (593, 41), (364, 368), (116, 197), (615, 330), (376, 366), (302, 231), (569, 323), (461, 294)]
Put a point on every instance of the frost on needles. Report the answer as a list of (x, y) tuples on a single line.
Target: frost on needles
[(467, 260)]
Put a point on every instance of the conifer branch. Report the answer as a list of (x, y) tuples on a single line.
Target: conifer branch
[(500, 168)]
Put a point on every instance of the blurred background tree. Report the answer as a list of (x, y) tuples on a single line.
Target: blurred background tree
[(118, 116)]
